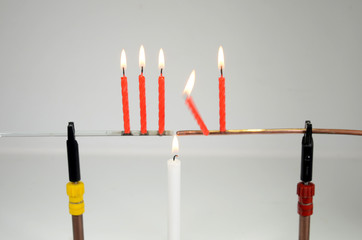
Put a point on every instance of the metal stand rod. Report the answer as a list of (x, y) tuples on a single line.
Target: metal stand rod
[(272, 131), (304, 227), (190, 132), (105, 133), (78, 233)]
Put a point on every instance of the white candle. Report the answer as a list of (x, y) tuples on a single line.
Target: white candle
[(174, 193)]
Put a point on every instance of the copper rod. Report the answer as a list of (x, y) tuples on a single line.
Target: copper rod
[(304, 227), (78, 233), (272, 131), (110, 133)]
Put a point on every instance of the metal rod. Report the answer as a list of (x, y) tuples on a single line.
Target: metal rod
[(109, 133), (272, 131), (304, 227), (78, 233)]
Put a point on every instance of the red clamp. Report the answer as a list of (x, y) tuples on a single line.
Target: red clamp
[(305, 203)]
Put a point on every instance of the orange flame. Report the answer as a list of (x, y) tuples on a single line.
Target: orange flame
[(175, 146), (123, 60), (190, 84), (161, 59), (142, 58), (220, 62)]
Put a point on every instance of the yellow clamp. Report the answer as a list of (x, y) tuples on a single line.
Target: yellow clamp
[(75, 191)]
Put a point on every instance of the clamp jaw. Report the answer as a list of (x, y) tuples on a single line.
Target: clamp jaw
[(75, 188), (307, 154), (306, 189), (73, 154)]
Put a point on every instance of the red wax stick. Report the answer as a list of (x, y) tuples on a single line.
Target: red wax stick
[(222, 103), (161, 104), (127, 129), (142, 88), (197, 116)]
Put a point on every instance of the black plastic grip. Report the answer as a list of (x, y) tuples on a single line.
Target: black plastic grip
[(307, 154), (73, 154)]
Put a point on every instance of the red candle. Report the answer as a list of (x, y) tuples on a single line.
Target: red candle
[(142, 89), (161, 94), (221, 91), (190, 103), (197, 116), (127, 129)]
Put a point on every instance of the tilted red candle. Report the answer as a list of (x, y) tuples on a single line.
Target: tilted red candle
[(190, 103), (161, 95), (221, 91), (124, 85), (142, 89), (197, 116)]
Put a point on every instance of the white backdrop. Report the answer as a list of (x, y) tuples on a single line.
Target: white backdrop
[(285, 62)]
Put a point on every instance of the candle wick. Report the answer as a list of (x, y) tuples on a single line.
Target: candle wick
[(161, 70), (123, 71), (221, 70), (174, 157), (142, 70)]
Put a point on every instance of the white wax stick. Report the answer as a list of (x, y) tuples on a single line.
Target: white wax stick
[(174, 198)]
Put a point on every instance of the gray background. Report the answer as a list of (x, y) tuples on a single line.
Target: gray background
[(286, 61)]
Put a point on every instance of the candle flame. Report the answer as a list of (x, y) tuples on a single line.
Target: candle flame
[(220, 62), (175, 146), (161, 59), (142, 58), (123, 60), (190, 83)]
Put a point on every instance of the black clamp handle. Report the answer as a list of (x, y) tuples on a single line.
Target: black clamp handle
[(73, 155), (307, 154)]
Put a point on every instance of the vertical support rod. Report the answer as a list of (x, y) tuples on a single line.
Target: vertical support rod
[(304, 227), (306, 189), (75, 187), (77, 221)]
